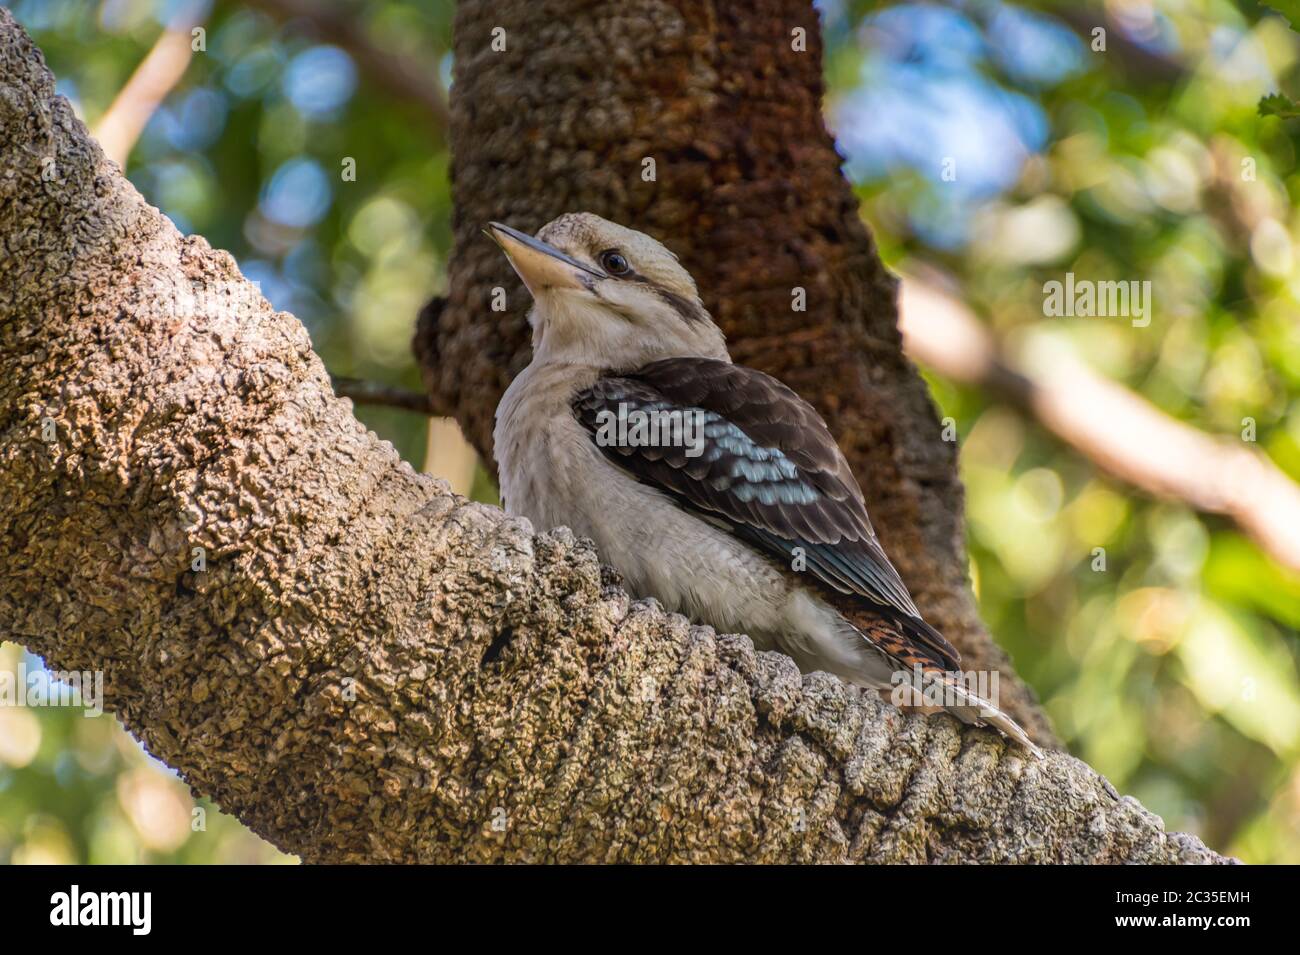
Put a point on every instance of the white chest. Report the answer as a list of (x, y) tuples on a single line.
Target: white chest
[(553, 474)]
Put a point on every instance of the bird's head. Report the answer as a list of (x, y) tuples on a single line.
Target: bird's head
[(607, 296)]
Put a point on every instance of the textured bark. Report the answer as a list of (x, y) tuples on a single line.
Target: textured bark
[(371, 668), (748, 193)]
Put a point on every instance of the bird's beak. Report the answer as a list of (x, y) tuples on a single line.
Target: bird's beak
[(541, 266)]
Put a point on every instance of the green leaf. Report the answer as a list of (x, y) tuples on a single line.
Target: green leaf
[(1279, 104), (1289, 10)]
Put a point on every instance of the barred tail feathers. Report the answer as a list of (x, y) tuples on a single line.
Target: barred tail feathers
[(971, 708), (911, 652)]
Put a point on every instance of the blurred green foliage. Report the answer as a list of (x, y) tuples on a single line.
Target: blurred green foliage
[(1173, 671)]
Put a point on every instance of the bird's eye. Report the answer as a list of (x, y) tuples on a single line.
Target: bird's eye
[(613, 262)]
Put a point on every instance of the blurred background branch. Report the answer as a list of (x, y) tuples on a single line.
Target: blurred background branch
[(399, 75), (375, 393), (155, 77), (1117, 430)]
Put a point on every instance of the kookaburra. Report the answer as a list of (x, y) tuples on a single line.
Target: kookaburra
[(709, 486)]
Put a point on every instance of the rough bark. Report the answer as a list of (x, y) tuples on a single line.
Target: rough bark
[(748, 192), (370, 668)]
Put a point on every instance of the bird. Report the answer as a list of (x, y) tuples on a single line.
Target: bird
[(709, 486)]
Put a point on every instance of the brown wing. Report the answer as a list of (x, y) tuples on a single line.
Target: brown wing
[(767, 468)]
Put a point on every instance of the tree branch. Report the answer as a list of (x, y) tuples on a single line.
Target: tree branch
[(370, 669), (375, 393)]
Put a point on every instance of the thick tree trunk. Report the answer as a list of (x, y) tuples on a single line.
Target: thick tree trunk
[(748, 192), (370, 668)]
